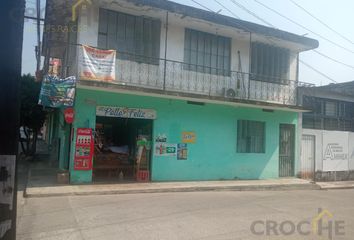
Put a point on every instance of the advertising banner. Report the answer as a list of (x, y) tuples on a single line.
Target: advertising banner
[(57, 92), (97, 65), (165, 149), (84, 148), (335, 151)]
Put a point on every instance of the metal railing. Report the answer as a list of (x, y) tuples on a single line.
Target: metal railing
[(168, 75)]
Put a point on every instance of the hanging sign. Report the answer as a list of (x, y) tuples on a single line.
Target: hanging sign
[(123, 112), (97, 65), (69, 115), (83, 149), (57, 92), (189, 137)]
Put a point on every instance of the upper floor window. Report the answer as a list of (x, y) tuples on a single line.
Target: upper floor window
[(269, 63), (328, 114), (135, 38), (207, 53)]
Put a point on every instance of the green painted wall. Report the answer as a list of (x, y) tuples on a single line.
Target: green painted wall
[(213, 156), (63, 135)]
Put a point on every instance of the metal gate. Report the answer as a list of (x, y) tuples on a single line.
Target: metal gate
[(307, 156), (286, 150)]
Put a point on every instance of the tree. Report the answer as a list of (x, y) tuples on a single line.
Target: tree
[(32, 115)]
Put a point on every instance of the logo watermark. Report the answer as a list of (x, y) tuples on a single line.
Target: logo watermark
[(30, 13), (322, 225)]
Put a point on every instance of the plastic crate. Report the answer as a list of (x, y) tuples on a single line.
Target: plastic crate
[(143, 176)]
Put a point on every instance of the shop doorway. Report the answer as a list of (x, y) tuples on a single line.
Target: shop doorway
[(122, 149)]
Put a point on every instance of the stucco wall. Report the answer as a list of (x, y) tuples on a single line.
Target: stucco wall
[(213, 156), (319, 146)]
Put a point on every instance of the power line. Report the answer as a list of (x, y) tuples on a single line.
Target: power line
[(223, 6), (203, 6), (318, 71), (318, 52), (322, 22), (270, 40), (333, 59), (251, 13), (302, 26)]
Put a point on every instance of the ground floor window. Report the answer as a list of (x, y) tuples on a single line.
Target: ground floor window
[(250, 136), (122, 149)]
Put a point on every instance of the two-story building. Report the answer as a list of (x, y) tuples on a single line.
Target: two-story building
[(217, 95), (327, 149)]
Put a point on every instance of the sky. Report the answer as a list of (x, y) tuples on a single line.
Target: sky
[(336, 14)]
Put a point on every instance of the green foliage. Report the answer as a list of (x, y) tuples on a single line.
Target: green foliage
[(32, 114)]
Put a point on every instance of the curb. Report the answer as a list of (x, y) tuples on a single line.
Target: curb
[(290, 187)]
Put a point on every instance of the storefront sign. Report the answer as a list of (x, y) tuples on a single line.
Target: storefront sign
[(335, 151), (69, 115), (83, 149), (122, 112), (97, 65), (182, 151), (57, 92), (189, 137), (165, 149)]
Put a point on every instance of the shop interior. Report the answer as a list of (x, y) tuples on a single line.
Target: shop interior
[(122, 149)]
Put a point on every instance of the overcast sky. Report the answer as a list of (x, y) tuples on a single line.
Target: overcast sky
[(337, 14)]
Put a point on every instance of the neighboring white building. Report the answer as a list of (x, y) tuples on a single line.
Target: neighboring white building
[(328, 132)]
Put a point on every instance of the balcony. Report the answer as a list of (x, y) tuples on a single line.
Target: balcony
[(161, 76)]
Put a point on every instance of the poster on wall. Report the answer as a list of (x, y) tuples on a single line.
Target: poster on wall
[(7, 179), (189, 137), (165, 149), (97, 65), (182, 151), (57, 92), (83, 149), (335, 151), (124, 112)]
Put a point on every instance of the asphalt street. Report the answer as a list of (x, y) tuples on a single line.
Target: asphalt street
[(192, 215)]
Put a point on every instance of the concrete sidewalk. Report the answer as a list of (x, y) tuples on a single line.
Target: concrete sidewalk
[(336, 185), (129, 188)]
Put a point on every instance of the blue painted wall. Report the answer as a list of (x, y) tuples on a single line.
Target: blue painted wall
[(213, 156)]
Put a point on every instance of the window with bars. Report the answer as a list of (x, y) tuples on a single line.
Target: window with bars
[(270, 63), (250, 136), (135, 38), (328, 114), (207, 53)]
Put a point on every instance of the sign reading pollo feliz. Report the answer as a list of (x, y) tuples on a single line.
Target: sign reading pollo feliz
[(123, 112)]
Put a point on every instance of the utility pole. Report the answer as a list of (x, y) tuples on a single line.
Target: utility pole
[(11, 32)]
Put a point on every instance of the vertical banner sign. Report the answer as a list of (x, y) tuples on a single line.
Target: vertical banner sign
[(182, 151), (83, 149), (97, 65), (335, 151)]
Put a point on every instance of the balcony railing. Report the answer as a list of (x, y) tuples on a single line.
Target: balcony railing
[(173, 76)]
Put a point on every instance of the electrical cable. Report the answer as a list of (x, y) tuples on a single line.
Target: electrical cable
[(302, 26), (322, 22)]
